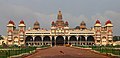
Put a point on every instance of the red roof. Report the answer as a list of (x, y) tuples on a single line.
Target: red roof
[(108, 22), (66, 22), (52, 22), (21, 22), (11, 22), (97, 22)]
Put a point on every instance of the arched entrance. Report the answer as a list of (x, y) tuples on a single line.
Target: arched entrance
[(46, 40), (73, 40), (38, 40), (59, 40), (81, 40), (90, 40), (28, 40)]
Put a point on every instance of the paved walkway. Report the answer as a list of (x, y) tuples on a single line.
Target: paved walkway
[(65, 52)]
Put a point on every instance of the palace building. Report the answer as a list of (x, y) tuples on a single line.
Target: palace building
[(60, 34)]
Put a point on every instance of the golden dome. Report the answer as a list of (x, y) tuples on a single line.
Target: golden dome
[(36, 25)]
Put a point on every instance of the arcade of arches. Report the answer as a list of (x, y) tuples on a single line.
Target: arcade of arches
[(59, 40)]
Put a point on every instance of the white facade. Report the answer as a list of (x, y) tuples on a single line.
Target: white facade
[(60, 34)]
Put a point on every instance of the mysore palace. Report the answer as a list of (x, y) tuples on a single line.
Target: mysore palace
[(60, 34)]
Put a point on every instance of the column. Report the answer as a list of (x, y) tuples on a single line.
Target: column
[(68, 39), (77, 39), (64, 39), (55, 39), (85, 39), (33, 41), (51, 41), (42, 40)]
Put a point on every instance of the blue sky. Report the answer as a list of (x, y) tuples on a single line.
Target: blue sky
[(45, 11)]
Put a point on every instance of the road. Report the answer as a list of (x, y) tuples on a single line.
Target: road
[(65, 52)]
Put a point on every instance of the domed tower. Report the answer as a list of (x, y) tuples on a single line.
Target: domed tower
[(97, 28), (10, 29), (22, 28), (97, 25), (36, 25), (82, 25), (109, 27), (59, 22)]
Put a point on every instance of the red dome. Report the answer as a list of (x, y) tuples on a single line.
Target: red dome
[(108, 22), (97, 22), (66, 22), (11, 22), (21, 22), (52, 22)]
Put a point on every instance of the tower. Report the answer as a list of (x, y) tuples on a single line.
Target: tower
[(59, 27), (22, 28), (59, 22), (10, 29), (109, 28), (82, 25), (97, 28), (36, 25)]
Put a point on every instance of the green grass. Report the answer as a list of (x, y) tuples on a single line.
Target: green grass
[(104, 49), (12, 51)]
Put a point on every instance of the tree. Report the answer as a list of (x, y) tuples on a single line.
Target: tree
[(1, 38)]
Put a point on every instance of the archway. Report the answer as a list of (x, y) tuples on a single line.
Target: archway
[(59, 40), (46, 38), (90, 38), (81, 38), (28, 39), (73, 40), (38, 38)]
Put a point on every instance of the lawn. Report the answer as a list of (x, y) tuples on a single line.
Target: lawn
[(104, 49)]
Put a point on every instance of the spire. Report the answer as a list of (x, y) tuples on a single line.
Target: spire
[(59, 15)]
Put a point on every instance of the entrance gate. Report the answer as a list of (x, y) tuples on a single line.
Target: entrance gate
[(60, 40)]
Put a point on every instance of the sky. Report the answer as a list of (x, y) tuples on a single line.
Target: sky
[(45, 11)]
